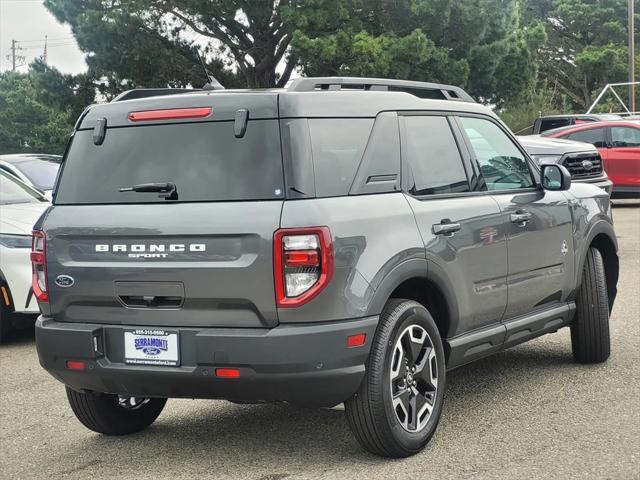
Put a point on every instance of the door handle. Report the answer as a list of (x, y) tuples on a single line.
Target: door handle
[(445, 227), (520, 217)]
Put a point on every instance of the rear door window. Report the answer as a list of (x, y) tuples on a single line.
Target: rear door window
[(204, 160), (432, 157), (594, 136)]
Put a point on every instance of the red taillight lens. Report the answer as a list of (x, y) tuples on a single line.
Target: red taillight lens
[(302, 258), (303, 264), (170, 114), (39, 265)]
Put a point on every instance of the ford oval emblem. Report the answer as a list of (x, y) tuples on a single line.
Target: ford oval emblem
[(64, 281), (587, 164)]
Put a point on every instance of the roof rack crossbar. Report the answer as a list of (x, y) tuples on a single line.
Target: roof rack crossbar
[(309, 84)]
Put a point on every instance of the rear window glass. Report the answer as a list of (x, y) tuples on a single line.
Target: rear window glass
[(42, 173), (204, 160), (550, 124), (14, 191), (337, 145)]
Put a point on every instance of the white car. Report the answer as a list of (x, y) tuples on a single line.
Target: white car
[(37, 170), (20, 208)]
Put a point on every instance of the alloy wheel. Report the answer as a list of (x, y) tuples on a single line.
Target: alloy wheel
[(413, 378)]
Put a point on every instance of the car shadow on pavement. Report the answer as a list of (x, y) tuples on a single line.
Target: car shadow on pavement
[(20, 336), (222, 435)]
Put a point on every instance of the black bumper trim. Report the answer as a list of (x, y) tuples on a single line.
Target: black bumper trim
[(307, 364)]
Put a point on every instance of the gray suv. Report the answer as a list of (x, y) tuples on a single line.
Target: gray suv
[(339, 240)]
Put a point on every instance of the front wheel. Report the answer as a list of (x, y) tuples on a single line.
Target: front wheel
[(398, 405), (590, 339), (114, 414)]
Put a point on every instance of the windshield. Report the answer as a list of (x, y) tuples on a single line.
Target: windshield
[(40, 172), (14, 191), (205, 161)]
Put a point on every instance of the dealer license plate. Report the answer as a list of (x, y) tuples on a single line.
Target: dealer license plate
[(151, 347)]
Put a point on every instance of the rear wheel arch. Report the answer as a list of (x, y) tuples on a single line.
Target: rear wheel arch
[(430, 295), (411, 280)]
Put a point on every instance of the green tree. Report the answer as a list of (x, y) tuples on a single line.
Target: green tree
[(149, 43), (477, 44), (39, 108), (586, 46)]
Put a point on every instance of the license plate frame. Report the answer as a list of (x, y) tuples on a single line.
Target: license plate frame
[(152, 347)]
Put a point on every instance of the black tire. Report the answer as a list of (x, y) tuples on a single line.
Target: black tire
[(370, 412), (590, 340), (5, 325), (102, 413)]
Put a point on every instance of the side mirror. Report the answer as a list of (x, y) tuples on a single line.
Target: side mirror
[(555, 177)]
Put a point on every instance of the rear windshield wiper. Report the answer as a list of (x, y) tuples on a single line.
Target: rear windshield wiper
[(168, 190)]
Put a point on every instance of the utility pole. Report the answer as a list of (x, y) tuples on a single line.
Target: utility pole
[(632, 87), (44, 54), (13, 55)]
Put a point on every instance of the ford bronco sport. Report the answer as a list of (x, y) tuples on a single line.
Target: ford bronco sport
[(339, 240)]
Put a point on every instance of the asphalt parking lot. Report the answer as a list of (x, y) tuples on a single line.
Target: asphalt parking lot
[(528, 412)]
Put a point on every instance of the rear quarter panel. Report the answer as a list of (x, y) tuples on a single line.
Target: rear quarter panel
[(371, 234)]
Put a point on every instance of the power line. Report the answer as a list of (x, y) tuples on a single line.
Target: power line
[(39, 40)]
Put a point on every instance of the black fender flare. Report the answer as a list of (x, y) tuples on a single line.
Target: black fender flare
[(612, 269), (415, 268)]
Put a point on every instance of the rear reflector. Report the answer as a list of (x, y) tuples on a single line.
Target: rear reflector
[(170, 114), (227, 373), (75, 365), (356, 340)]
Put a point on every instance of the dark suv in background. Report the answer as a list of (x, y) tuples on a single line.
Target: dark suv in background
[(339, 240), (549, 122)]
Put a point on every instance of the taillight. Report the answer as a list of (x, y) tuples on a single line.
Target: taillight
[(303, 264), (39, 265)]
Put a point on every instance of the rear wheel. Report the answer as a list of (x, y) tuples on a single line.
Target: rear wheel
[(398, 405), (590, 340), (114, 414)]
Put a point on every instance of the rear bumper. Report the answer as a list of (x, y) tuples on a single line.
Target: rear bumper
[(303, 364)]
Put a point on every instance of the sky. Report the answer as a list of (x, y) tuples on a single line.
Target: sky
[(27, 21)]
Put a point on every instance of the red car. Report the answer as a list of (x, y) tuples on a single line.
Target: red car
[(619, 145)]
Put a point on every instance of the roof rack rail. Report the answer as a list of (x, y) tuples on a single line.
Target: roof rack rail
[(152, 92), (419, 89)]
